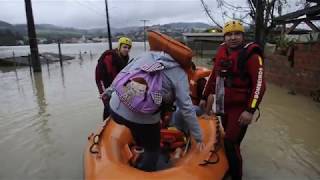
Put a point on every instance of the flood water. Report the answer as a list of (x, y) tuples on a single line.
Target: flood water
[(45, 119), (285, 142)]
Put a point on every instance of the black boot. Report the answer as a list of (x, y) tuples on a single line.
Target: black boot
[(234, 162)]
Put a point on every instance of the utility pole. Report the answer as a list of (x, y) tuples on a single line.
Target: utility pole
[(32, 38), (108, 25), (144, 31), (259, 22)]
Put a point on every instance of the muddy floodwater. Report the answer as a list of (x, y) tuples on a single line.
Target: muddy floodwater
[(45, 119)]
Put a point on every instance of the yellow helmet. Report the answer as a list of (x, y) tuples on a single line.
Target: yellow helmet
[(233, 26), (124, 40)]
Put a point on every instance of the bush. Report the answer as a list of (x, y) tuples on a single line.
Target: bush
[(282, 45)]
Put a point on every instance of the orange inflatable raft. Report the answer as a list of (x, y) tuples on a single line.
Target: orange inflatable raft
[(108, 155), (161, 42)]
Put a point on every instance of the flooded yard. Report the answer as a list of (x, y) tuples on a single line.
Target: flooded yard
[(45, 119)]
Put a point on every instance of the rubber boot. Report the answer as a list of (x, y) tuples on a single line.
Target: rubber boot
[(233, 159)]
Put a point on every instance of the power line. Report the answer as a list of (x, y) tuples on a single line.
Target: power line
[(90, 3), (89, 8)]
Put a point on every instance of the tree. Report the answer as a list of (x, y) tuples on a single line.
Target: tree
[(263, 12), (259, 14), (8, 37)]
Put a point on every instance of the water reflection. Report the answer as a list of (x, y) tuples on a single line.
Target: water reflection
[(62, 76), (39, 93), (91, 56), (42, 143), (19, 87), (80, 55), (43, 131), (48, 69)]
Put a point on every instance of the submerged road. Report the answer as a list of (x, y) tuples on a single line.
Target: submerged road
[(45, 120), (285, 142)]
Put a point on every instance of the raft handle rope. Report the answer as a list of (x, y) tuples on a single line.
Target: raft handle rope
[(96, 137), (216, 147), (95, 143)]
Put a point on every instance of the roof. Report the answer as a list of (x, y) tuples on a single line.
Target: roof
[(315, 1), (309, 12)]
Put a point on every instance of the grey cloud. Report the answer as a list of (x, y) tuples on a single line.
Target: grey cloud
[(87, 14), (91, 13)]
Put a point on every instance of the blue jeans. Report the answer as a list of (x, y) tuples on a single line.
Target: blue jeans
[(179, 123)]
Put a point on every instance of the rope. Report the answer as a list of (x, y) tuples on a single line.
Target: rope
[(216, 147), (94, 148)]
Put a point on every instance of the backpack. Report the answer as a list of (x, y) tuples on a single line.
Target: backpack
[(139, 89)]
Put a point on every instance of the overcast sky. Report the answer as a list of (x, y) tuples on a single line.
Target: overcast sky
[(91, 13)]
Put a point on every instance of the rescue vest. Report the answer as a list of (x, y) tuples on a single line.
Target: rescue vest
[(233, 67), (106, 71)]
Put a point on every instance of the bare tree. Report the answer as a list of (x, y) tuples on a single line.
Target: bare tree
[(208, 12), (256, 13), (264, 13)]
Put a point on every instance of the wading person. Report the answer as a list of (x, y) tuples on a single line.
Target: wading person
[(109, 65), (237, 79), (136, 102)]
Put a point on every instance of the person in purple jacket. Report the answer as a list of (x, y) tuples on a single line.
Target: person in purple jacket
[(145, 127)]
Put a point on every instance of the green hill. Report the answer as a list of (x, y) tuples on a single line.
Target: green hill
[(10, 34)]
